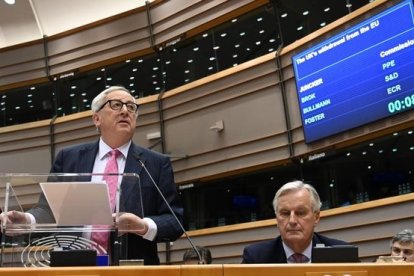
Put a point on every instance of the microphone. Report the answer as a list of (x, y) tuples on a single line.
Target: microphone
[(200, 259)]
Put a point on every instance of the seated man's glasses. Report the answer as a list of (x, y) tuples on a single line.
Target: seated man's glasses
[(117, 105)]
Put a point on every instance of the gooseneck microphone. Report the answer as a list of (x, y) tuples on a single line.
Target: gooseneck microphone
[(200, 259)]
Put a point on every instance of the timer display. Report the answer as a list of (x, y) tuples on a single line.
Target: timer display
[(399, 105), (361, 75)]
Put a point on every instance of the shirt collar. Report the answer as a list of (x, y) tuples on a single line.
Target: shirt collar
[(104, 149), (289, 251)]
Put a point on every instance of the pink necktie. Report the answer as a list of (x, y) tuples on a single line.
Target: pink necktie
[(102, 237), (112, 180)]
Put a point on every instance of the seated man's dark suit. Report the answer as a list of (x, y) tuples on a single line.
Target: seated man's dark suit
[(272, 251)]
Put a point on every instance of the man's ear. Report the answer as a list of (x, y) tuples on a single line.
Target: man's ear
[(317, 217), (96, 120)]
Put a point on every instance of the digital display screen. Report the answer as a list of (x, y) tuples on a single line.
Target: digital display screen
[(361, 75)]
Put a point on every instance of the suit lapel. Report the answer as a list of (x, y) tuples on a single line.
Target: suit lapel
[(87, 157), (132, 165)]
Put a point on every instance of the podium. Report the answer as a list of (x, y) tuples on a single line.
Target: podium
[(52, 218)]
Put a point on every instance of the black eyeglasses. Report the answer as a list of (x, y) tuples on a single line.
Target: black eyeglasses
[(117, 105)]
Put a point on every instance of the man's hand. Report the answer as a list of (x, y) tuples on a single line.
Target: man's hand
[(130, 223), (13, 217)]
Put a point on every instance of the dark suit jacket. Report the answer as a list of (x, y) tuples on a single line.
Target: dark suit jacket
[(272, 251), (81, 158)]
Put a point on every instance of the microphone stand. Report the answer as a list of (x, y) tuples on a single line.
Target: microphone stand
[(200, 259), (117, 239)]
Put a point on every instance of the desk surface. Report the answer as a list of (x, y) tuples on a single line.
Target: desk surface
[(360, 269)]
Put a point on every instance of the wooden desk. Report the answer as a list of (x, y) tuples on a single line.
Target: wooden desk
[(360, 269), (363, 269)]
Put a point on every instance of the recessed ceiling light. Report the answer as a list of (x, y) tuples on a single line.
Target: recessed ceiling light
[(323, 24), (327, 9), (305, 13), (284, 15), (299, 28), (10, 2)]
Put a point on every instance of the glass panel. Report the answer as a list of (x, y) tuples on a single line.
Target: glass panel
[(56, 217)]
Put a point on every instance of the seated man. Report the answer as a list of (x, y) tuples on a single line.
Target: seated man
[(402, 245), (297, 208), (191, 257)]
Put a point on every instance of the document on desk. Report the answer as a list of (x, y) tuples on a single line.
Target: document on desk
[(78, 203)]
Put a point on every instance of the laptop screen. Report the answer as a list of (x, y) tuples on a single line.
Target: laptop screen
[(335, 254), (78, 203)]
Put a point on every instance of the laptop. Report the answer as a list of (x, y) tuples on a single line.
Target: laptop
[(78, 203), (335, 254)]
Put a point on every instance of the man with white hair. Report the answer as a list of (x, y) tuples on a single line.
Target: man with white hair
[(145, 217), (297, 208)]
